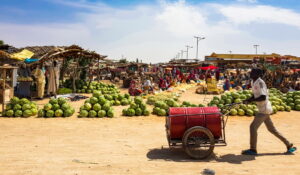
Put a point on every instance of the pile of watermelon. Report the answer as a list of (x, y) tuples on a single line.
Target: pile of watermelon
[(137, 108), (56, 108), (161, 108), (116, 99), (102, 87), (162, 97), (188, 104), (97, 106), (234, 97), (280, 102), (292, 99), (20, 108)]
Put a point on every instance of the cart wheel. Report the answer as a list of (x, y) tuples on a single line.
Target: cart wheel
[(198, 142)]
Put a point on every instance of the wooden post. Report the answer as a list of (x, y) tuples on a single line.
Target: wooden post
[(55, 83), (75, 74), (98, 69), (3, 91)]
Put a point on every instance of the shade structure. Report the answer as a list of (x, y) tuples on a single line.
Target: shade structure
[(208, 68)]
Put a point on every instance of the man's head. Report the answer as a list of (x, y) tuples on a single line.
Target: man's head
[(255, 73)]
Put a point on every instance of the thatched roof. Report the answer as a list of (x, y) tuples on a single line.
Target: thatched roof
[(40, 51), (6, 59), (45, 53)]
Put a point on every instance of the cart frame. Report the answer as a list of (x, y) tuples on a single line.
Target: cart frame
[(211, 143)]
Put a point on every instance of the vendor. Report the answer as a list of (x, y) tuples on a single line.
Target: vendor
[(23, 89), (227, 84), (53, 78), (40, 81), (134, 89), (148, 85)]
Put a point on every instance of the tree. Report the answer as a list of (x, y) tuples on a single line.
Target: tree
[(1, 42)]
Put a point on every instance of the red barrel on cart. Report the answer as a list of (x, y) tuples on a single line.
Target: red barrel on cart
[(183, 118)]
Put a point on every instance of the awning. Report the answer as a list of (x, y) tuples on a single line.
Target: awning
[(22, 55), (208, 68), (30, 60)]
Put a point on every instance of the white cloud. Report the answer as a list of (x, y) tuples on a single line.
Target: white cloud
[(157, 32), (249, 1), (260, 14)]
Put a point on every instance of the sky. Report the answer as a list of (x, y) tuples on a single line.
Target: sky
[(154, 30)]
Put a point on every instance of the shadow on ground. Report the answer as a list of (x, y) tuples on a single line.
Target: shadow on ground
[(178, 155)]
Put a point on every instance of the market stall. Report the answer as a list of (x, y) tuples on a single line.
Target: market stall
[(7, 78)]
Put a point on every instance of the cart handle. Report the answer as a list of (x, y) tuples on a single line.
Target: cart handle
[(230, 107)]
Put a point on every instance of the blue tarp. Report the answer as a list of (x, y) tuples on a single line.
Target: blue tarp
[(30, 60)]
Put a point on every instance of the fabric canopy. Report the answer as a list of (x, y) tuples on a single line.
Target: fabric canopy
[(30, 60), (208, 68), (22, 55)]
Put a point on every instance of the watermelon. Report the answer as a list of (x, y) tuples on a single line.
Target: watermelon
[(48, 107), (41, 113), (87, 106), (233, 112), (130, 112), (138, 112), (9, 113), (241, 112), (97, 107), (110, 113), (65, 106), (101, 113), (59, 113), (83, 113), (61, 100), (146, 112), (18, 113), (53, 101), (14, 100), (26, 107), (93, 100), (50, 113), (92, 113)]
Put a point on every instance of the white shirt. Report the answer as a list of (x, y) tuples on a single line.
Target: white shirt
[(147, 83), (259, 88)]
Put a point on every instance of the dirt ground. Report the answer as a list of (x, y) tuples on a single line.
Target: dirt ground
[(137, 145)]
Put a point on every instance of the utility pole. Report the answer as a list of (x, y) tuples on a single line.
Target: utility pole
[(182, 53), (178, 55), (187, 51), (198, 38), (255, 46)]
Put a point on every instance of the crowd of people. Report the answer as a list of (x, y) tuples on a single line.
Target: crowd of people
[(238, 79)]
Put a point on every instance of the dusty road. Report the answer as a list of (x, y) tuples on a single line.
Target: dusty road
[(138, 145)]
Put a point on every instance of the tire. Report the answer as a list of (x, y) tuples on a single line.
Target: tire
[(198, 142)]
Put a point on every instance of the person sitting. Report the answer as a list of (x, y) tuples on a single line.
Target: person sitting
[(133, 89), (148, 86), (227, 84)]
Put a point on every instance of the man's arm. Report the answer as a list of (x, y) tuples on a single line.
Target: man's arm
[(260, 98)]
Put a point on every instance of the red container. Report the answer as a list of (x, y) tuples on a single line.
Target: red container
[(181, 119)]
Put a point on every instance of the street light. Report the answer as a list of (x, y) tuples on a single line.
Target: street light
[(182, 53), (255, 46), (198, 38), (187, 51), (178, 55)]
